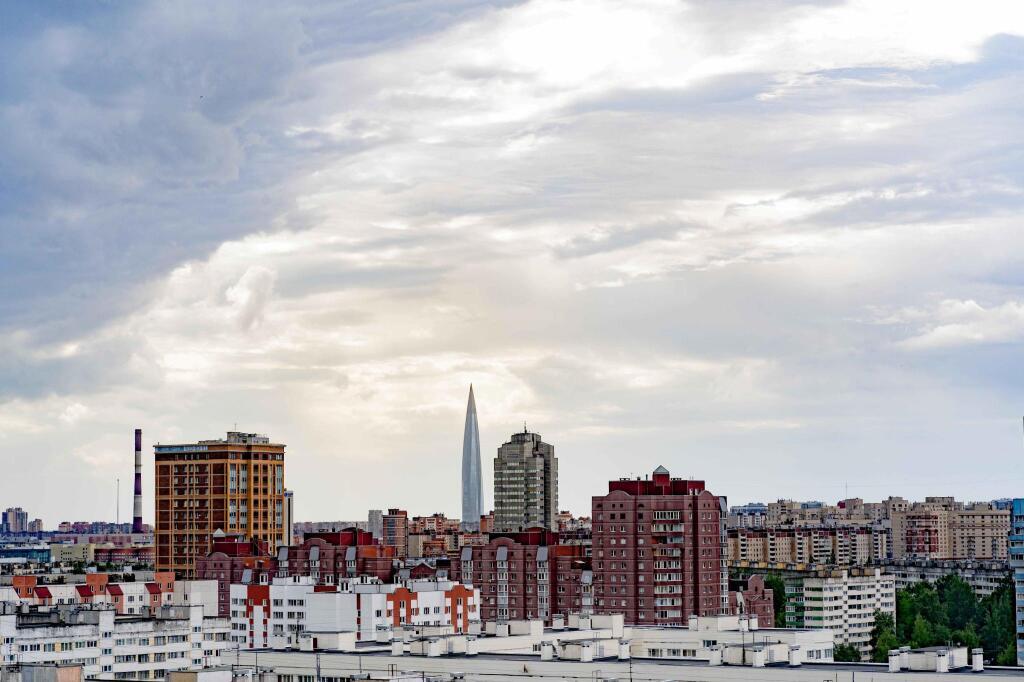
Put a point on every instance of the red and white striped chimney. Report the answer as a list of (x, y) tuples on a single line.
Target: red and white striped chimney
[(137, 511)]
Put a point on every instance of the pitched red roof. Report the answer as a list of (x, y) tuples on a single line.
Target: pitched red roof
[(84, 590), (115, 590), (152, 588), (43, 593)]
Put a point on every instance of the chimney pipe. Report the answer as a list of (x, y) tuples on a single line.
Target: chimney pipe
[(137, 511)]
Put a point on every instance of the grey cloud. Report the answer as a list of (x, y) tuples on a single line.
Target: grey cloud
[(604, 241), (383, 243), (139, 138)]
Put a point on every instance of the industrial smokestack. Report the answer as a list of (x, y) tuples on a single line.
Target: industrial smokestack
[(137, 511)]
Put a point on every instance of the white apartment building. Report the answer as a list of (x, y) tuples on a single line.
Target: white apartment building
[(273, 615), (845, 602), (112, 646), (126, 599)]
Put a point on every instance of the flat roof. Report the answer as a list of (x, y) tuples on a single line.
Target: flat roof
[(1001, 671)]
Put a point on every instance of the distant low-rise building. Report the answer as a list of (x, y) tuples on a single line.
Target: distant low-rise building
[(83, 553), (751, 515)]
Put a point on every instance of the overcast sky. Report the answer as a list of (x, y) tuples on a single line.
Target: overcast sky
[(777, 246)]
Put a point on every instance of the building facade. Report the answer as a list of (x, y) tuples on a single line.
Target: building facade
[(525, 484), (1016, 552), (234, 559), (332, 558), (326, 557), (751, 515), (943, 528), (843, 601), (274, 614), (14, 520), (840, 599), (842, 545), (526, 575), (171, 638), (749, 596), (659, 550), (395, 531), (235, 485), (984, 577)]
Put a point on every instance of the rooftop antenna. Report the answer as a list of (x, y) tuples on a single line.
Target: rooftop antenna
[(117, 502)]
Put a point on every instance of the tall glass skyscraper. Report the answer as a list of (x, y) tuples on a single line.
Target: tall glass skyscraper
[(472, 476)]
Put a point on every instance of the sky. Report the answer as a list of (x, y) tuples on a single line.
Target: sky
[(773, 245)]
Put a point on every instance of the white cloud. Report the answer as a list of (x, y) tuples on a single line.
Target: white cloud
[(251, 295), (73, 413), (956, 323)]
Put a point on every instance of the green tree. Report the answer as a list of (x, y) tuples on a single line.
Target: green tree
[(958, 601), (949, 611), (884, 623), (845, 653), (966, 636), (996, 622), (886, 643), (775, 583), (1008, 656), (922, 634)]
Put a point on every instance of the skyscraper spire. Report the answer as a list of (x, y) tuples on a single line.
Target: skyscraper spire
[(472, 476)]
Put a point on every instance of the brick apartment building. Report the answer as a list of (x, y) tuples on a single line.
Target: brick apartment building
[(526, 575), (327, 557), (330, 557), (659, 550), (234, 559), (748, 595), (235, 485)]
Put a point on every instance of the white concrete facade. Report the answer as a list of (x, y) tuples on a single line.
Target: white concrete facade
[(122, 647), (274, 615), (706, 634), (845, 602)]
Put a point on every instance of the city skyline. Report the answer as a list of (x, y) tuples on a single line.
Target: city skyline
[(451, 507), (774, 246)]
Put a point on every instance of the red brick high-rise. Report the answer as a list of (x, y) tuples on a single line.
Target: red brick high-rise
[(659, 550)]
